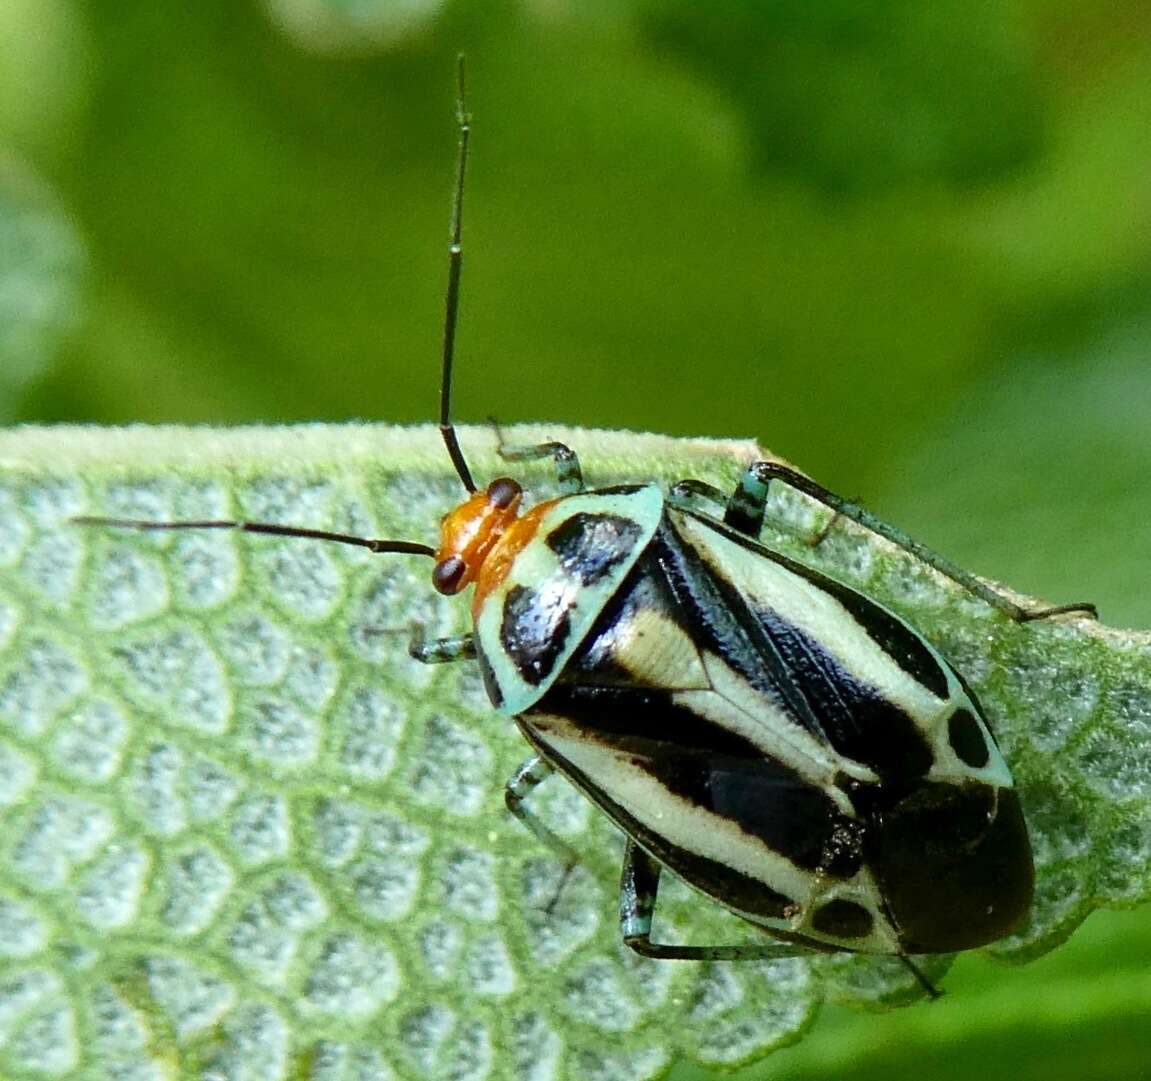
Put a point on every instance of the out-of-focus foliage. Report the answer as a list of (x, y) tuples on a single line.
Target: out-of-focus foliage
[(859, 95), (353, 26), (907, 245), (41, 262), (266, 223)]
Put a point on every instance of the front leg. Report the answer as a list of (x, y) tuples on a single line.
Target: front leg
[(460, 647), (569, 475)]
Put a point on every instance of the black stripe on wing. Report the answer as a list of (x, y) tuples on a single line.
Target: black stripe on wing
[(718, 619), (715, 770), (790, 667), (899, 641), (738, 891), (859, 722)]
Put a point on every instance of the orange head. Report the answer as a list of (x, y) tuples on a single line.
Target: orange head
[(469, 532)]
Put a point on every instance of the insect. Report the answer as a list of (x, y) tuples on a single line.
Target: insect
[(788, 746)]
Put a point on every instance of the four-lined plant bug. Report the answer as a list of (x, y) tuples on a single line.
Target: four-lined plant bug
[(788, 746)]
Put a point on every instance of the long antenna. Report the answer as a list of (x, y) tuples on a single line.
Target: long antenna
[(373, 545), (447, 430), (452, 298)]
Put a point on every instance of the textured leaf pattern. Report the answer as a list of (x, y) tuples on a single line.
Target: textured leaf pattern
[(242, 835)]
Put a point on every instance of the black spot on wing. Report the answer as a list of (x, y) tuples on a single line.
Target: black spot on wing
[(843, 919), (534, 630), (978, 709), (965, 735), (590, 546)]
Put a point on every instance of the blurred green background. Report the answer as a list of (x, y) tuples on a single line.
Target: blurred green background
[(906, 244)]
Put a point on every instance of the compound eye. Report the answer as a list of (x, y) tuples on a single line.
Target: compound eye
[(503, 492), (448, 575)]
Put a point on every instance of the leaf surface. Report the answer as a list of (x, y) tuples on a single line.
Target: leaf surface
[(243, 835)]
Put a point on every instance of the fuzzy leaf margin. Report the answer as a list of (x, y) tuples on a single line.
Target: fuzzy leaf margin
[(243, 835)]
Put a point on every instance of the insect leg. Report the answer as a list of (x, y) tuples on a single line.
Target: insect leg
[(747, 508), (638, 887), (743, 510), (568, 472), (933, 992), (520, 785), (694, 494), (441, 650)]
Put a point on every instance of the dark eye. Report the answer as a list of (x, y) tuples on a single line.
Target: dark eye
[(503, 492), (447, 575)]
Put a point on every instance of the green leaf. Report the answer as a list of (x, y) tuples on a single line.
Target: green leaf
[(243, 835)]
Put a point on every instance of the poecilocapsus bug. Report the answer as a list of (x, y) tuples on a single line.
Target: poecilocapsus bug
[(788, 746)]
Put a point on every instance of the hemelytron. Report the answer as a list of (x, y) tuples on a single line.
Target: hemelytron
[(788, 746)]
